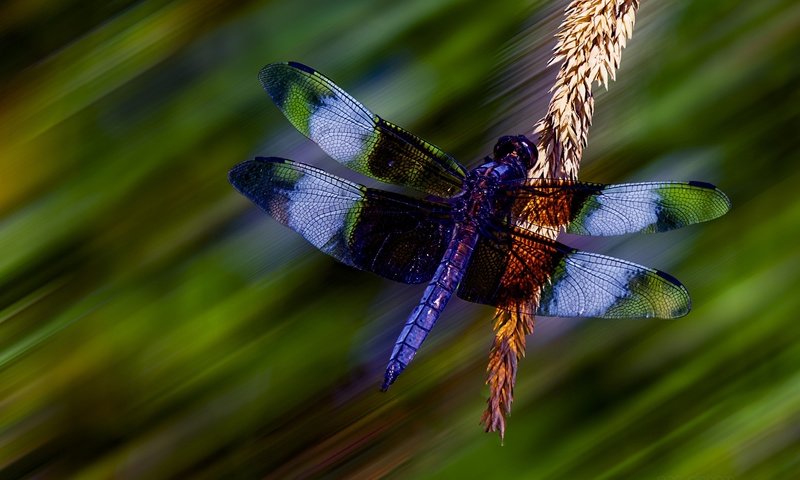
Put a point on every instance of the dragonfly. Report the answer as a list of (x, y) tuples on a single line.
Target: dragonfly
[(485, 234)]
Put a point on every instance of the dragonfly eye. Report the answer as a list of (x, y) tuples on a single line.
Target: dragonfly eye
[(518, 146)]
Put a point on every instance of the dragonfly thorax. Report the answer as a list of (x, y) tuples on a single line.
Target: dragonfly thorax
[(479, 201)]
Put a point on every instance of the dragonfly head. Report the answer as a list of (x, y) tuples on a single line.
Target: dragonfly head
[(518, 147)]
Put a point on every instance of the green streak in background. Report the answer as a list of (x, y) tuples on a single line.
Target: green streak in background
[(153, 323)]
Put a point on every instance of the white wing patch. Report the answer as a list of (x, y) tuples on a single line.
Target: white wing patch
[(328, 128), (573, 296), (304, 217), (611, 216)]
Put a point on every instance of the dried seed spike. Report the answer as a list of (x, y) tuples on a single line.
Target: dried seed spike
[(589, 45)]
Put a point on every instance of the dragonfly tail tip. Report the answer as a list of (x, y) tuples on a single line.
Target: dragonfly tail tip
[(393, 370)]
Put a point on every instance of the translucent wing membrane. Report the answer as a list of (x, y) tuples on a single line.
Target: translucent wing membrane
[(392, 235), (602, 210), (515, 268), (590, 285), (354, 136)]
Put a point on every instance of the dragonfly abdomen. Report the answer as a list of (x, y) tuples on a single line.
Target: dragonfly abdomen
[(437, 294)]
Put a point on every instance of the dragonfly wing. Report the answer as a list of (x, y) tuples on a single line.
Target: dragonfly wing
[(514, 268), (602, 210), (356, 137), (394, 236)]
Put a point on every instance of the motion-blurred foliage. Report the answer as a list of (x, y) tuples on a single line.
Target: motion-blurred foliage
[(154, 323)]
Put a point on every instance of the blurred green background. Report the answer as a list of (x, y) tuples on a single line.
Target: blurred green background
[(153, 323)]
